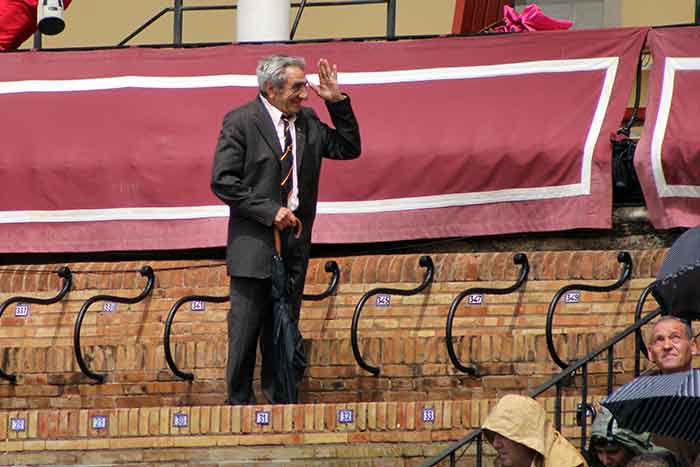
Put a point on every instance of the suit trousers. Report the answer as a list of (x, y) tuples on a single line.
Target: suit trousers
[(249, 320)]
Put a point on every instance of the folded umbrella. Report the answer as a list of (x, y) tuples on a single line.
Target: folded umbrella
[(667, 405), (288, 352), (677, 289)]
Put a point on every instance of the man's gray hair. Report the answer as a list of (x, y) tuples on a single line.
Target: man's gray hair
[(686, 326), (271, 69)]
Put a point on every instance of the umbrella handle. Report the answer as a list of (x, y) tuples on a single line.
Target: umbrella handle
[(278, 241)]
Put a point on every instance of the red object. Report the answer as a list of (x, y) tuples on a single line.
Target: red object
[(18, 22), (477, 15), (531, 19), (667, 155), (461, 136), (641, 115)]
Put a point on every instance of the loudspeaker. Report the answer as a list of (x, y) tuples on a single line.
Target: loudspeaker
[(49, 17)]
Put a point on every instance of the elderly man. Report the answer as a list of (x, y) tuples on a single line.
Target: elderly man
[(519, 431), (672, 345), (266, 169)]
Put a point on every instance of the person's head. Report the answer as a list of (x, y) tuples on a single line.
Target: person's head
[(611, 453), (671, 346), (614, 446), (648, 460), (282, 81), (516, 428), (511, 453)]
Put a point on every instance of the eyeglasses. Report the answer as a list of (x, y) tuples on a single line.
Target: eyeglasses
[(297, 88)]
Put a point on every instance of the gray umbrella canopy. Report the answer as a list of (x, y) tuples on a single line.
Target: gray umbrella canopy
[(667, 405), (678, 282)]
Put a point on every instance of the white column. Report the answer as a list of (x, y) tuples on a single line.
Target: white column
[(262, 20)]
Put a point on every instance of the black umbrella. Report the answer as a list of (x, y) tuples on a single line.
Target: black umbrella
[(288, 352), (667, 405), (678, 282)]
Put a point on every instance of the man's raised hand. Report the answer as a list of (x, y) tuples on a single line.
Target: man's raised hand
[(328, 88)]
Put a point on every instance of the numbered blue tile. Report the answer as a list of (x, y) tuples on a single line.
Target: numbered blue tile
[(475, 299), (262, 417), (572, 297), (22, 310), (346, 416), (99, 422), (18, 424), (383, 300), (180, 420)]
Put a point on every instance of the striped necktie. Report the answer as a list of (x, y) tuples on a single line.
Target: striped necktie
[(286, 160)]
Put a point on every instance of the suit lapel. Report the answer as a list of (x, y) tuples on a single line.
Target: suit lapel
[(264, 124)]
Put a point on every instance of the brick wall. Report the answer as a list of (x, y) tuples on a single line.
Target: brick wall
[(504, 336)]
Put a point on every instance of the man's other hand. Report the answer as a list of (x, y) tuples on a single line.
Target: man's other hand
[(285, 218)]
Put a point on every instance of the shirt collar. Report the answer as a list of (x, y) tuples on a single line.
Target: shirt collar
[(275, 113)]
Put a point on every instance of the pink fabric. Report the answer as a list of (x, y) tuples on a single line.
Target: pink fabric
[(531, 19), (512, 128), (666, 158)]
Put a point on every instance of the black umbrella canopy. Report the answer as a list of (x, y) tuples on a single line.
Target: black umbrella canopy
[(678, 281), (667, 405)]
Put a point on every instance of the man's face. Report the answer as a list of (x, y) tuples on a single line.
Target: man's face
[(670, 348), (510, 453), (613, 455), (288, 98)]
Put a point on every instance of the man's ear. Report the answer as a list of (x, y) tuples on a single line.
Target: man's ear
[(694, 346), (650, 356)]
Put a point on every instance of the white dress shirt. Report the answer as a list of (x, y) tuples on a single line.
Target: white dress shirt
[(276, 115)]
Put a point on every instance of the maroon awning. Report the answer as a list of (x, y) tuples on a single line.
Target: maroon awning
[(112, 149), (667, 158)]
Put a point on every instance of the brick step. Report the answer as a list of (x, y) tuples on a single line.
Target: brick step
[(374, 433), (412, 368)]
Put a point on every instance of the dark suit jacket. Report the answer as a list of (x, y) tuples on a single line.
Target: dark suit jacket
[(246, 176)]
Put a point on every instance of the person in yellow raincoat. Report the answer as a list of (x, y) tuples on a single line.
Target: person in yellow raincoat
[(519, 431)]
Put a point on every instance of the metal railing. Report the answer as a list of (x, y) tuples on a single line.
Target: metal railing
[(564, 378), (330, 267), (471, 369), (639, 347), (178, 9), (169, 325), (425, 262), (147, 272), (624, 258), (451, 452), (65, 274)]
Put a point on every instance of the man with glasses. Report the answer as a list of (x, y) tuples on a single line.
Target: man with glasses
[(266, 169)]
